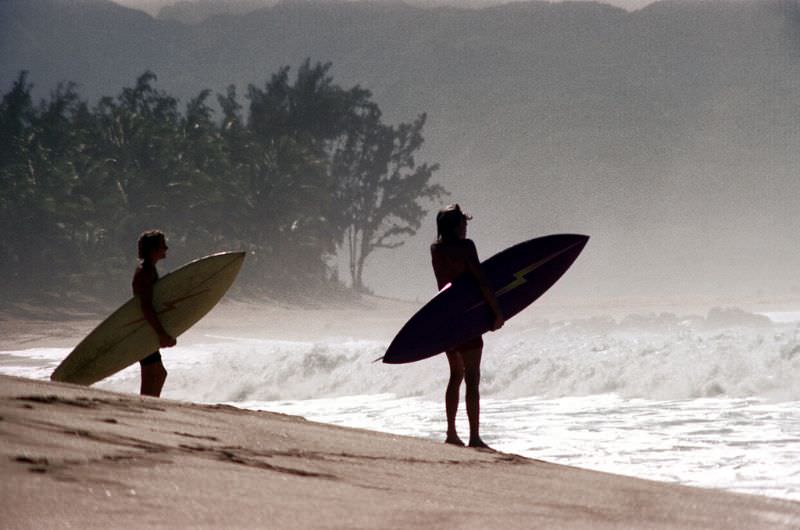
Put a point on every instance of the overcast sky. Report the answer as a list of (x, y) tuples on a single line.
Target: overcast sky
[(152, 6)]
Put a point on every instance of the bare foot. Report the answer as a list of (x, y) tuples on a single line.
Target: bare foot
[(477, 443), (454, 440)]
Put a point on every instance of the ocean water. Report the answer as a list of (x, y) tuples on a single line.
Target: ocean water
[(710, 401)]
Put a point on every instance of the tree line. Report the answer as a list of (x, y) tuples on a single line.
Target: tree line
[(300, 170)]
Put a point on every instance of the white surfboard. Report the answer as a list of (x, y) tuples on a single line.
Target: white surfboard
[(180, 299)]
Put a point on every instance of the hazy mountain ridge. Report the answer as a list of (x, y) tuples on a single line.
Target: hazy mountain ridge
[(194, 12), (675, 123)]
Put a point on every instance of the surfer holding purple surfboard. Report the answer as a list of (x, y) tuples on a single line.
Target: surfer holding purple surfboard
[(475, 299)]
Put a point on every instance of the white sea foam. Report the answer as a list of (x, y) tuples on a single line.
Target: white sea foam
[(728, 354), (650, 357)]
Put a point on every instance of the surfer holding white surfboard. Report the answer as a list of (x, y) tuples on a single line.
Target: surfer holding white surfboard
[(180, 299), (453, 255), (152, 248)]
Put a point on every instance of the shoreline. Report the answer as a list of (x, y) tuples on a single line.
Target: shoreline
[(77, 456)]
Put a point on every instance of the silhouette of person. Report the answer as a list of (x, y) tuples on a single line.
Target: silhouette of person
[(452, 255), (152, 248)]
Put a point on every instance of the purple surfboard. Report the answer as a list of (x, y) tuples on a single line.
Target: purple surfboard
[(519, 275)]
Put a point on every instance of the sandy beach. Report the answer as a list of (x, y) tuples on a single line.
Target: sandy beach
[(81, 457)]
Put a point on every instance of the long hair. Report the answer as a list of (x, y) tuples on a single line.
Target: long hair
[(149, 241), (448, 221)]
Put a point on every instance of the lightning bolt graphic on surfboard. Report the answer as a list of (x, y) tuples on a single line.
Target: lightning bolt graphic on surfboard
[(519, 276)]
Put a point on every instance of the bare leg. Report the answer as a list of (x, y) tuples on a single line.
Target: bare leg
[(472, 376), (452, 394), (153, 377)]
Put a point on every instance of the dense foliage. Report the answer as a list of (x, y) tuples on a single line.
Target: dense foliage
[(305, 169)]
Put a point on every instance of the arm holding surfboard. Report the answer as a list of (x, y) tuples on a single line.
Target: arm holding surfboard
[(143, 282), (475, 268)]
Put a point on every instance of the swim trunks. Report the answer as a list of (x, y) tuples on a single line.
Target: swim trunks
[(153, 358)]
